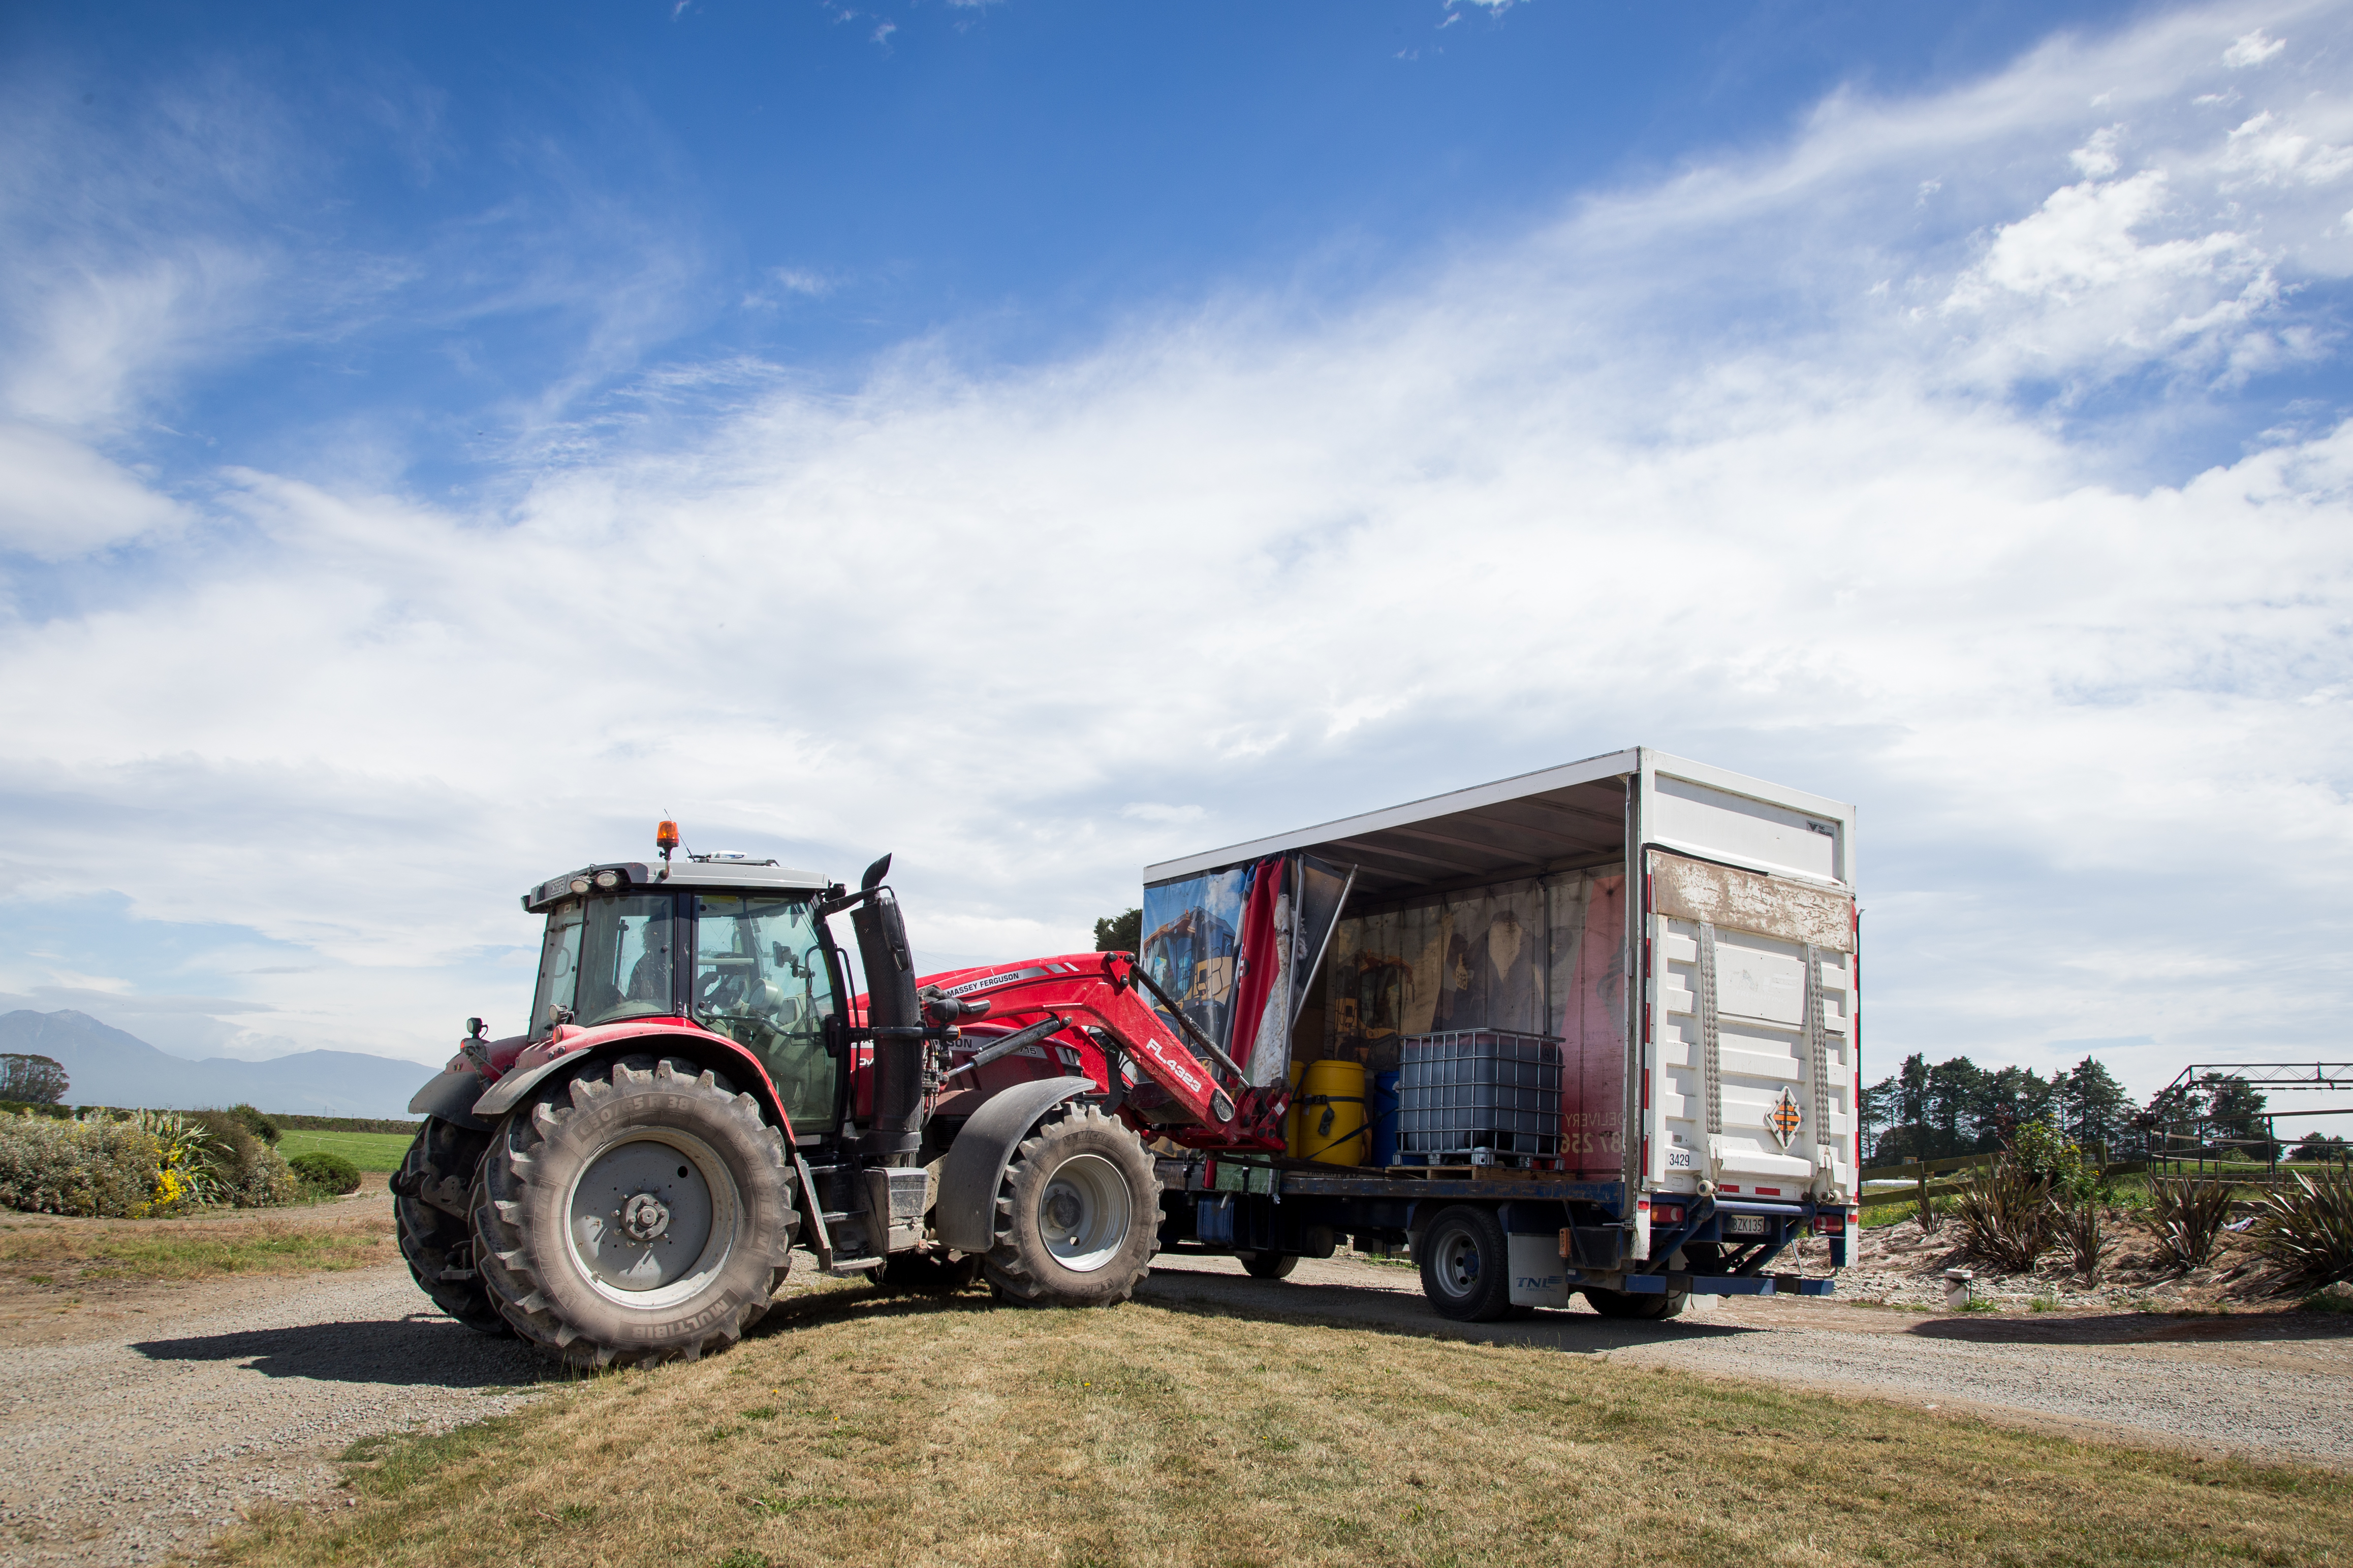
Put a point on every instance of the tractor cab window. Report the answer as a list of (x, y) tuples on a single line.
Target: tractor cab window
[(625, 960), (559, 968), (760, 978)]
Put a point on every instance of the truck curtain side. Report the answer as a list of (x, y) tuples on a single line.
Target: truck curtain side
[(1705, 1005)]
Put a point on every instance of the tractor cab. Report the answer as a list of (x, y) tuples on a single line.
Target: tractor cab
[(735, 946)]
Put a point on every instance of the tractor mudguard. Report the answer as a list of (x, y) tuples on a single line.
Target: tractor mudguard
[(504, 1093), (451, 1098), (660, 1039), (966, 1216)]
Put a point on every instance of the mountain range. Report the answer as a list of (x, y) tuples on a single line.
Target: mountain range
[(108, 1066)]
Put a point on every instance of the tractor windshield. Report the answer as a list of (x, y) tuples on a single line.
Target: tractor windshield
[(606, 960), (760, 978)]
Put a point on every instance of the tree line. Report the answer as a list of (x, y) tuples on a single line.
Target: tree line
[(1934, 1110)]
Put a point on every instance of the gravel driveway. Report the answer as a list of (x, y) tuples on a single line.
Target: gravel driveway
[(2270, 1385), (135, 1425), (143, 1425)]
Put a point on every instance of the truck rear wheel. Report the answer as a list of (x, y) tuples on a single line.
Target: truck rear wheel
[(1639, 1305), (1465, 1270), (1077, 1213), (639, 1210), (429, 1220), (1270, 1264)]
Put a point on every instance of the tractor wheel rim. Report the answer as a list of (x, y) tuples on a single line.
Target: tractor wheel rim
[(653, 1217), (1084, 1213), (1457, 1263)]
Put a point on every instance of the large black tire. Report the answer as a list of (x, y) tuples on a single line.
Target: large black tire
[(1270, 1264), (431, 1219), (635, 1212), (1643, 1306), (1465, 1265), (1077, 1213), (930, 1273)]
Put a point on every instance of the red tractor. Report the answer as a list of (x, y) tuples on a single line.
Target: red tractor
[(699, 1094)]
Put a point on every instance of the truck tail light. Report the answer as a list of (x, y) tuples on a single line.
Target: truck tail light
[(1829, 1225)]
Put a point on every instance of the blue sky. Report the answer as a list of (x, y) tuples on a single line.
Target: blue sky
[(1040, 438)]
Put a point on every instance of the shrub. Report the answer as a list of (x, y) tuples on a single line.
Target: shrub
[(2308, 1228), (2006, 1215), (2084, 1229), (188, 1161), (101, 1166), (243, 1169), (2187, 1212), (260, 1126), (329, 1172), (2044, 1154), (265, 1182)]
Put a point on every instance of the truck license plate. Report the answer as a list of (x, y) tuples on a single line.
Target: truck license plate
[(1745, 1225)]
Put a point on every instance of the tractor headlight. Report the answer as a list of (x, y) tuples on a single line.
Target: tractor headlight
[(579, 884), (607, 880)]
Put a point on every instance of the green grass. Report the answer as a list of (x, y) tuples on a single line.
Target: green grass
[(1149, 1437), (381, 1152), (201, 1246)]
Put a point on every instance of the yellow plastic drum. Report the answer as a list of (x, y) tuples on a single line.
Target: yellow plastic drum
[(1334, 1128)]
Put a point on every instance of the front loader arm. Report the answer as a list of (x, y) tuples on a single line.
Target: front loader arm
[(1099, 993)]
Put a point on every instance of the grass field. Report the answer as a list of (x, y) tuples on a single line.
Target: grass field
[(866, 1428), (368, 1150), (51, 1252)]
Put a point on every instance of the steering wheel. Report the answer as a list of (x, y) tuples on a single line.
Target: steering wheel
[(719, 989)]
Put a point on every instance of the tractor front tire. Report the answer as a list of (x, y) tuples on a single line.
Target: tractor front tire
[(1270, 1264), (1077, 1213), (636, 1212), (429, 1219)]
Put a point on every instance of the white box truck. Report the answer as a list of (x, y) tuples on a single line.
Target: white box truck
[(1622, 999)]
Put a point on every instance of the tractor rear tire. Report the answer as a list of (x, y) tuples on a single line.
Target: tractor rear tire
[(1077, 1213), (1270, 1264), (634, 1212), (431, 1221)]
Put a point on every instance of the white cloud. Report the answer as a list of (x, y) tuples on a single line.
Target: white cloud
[(59, 499), (1174, 816), (2097, 159), (2253, 50), (1663, 471)]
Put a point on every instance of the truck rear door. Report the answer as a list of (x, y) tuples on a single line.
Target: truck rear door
[(1750, 1040)]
